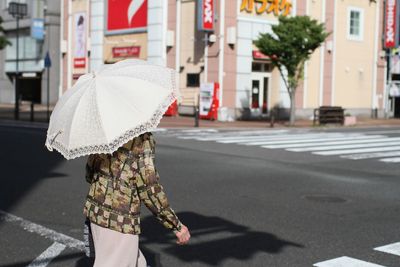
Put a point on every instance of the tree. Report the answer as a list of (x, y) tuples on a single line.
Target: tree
[(3, 40), (290, 45)]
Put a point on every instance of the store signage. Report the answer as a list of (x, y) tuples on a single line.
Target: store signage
[(79, 63), (278, 7), (127, 51), (205, 15), (392, 25), (125, 16), (37, 29)]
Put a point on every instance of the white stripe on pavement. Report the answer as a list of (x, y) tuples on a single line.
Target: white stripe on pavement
[(312, 141), (222, 135), (355, 151), (48, 255), (346, 262), (395, 160), (43, 231), (391, 249), (359, 140), (271, 139), (372, 155), (320, 148), (234, 137)]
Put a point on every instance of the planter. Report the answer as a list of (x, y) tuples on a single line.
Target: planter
[(350, 120)]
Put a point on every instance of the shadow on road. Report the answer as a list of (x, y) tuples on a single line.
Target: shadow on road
[(214, 240), (24, 162)]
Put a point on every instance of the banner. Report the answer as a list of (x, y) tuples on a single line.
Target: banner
[(392, 24), (124, 16), (80, 40)]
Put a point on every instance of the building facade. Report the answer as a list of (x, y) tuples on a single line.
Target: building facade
[(348, 70), (39, 33)]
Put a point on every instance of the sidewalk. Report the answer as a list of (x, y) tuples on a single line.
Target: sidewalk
[(40, 117)]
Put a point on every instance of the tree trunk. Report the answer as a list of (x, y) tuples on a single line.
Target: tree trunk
[(292, 107)]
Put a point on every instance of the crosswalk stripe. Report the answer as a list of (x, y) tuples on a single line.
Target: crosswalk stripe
[(360, 140), (354, 151), (395, 160), (346, 262), (308, 141), (232, 135), (48, 255), (256, 140), (371, 155), (235, 138), (391, 248), (337, 147)]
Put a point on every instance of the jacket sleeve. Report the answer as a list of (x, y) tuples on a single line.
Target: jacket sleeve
[(152, 194)]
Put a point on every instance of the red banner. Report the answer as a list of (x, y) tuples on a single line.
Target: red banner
[(208, 14), (80, 63), (126, 15), (127, 51), (391, 25)]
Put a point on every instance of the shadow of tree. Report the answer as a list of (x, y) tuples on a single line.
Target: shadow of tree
[(214, 240)]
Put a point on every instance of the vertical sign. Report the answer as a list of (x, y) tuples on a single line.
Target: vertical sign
[(391, 27), (205, 15), (80, 40), (37, 29)]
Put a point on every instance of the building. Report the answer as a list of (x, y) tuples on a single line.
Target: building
[(39, 32), (348, 70)]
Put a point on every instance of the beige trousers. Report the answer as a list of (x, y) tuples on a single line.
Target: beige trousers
[(116, 249)]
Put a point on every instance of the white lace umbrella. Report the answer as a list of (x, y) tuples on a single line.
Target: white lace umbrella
[(107, 108)]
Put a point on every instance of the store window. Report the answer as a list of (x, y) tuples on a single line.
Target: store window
[(193, 80), (261, 67), (355, 22)]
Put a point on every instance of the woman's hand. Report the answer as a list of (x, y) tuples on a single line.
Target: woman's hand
[(183, 236)]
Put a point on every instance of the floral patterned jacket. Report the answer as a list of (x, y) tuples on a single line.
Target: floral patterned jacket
[(120, 182)]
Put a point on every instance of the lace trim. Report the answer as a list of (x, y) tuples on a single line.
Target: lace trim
[(52, 143)]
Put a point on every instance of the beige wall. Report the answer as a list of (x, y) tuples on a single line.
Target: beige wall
[(354, 59)]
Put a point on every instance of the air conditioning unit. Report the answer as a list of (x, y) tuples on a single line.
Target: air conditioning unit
[(231, 35), (170, 38)]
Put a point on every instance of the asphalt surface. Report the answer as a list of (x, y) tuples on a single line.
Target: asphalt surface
[(244, 205)]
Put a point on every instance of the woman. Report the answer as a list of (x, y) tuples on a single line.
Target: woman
[(118, 184)]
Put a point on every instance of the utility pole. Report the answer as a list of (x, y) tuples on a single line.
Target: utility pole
[(18, 11)]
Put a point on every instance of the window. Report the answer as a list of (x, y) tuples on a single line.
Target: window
[(193, 80), (355, 23)]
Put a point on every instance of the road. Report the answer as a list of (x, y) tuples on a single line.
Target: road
[(319, 197)]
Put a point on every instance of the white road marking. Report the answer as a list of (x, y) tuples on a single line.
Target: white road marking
[(359, 140), (274, 138), (43, 231), (395, 160), (354, 151), (346, 262), (391, 249), (372, 155), (48, 255), (337, 147)]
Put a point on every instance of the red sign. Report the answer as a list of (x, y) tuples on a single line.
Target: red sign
[(127, 51), (80, 63), (126, 15), (259, 55), (391, 26), (205, 15)]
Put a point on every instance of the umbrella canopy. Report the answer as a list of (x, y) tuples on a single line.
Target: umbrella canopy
[(107, 108)]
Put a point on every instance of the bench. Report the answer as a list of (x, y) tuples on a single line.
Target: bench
[(328, 114)]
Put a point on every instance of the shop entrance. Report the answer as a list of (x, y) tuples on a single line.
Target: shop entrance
[(396, 107), (260, 83)]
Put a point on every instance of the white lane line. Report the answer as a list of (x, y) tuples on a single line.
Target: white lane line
[(346, 262), (355, 151), (48, 255), (256, 140), (394, 160), (43, 231), (290, 139), (359, 140), (310, 141), (391, 249), (231, 137), (337, 147), (222, 135), (372, 155)]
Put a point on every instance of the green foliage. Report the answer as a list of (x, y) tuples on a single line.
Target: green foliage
[(293, 41), (3, 40)]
